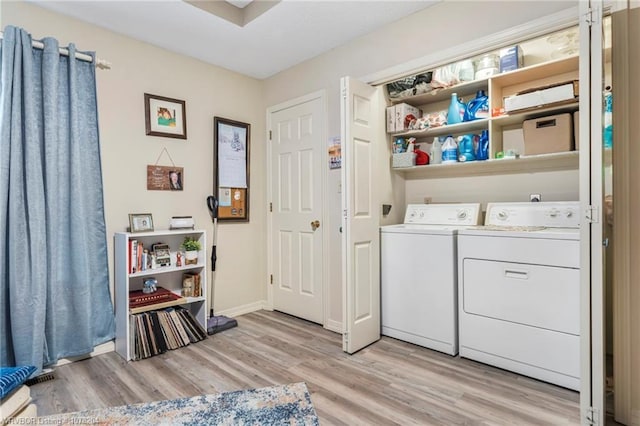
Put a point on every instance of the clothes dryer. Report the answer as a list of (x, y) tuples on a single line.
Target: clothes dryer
[(519, 290), (419, 272)]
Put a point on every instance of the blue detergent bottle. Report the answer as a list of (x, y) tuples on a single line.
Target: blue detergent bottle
[(478, 107), (465, 148), (483, 146), (456, 111), (608, 120)]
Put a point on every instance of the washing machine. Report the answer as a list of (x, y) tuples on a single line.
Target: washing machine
[(418, 268), (519, 290)]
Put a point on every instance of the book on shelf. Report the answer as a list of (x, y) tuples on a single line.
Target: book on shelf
[(156, 332)]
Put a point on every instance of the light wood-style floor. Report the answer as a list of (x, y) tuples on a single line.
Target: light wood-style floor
[(389, 382)]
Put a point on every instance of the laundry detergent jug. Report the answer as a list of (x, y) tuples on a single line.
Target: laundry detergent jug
[(478, 107), (483, 146), (465, 148)]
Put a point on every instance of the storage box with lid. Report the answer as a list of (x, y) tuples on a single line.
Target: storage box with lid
[(542, 96), (549, 134)]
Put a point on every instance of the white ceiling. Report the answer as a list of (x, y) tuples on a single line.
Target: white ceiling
[(289, 33)]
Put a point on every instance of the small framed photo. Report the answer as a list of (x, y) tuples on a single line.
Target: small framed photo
[(165, 116), (140, 222)]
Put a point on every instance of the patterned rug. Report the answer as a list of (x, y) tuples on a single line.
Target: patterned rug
[(275, 405)]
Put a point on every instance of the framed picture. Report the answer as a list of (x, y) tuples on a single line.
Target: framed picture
[(140, 222), (165, 116), (231, 144), (165, 178)]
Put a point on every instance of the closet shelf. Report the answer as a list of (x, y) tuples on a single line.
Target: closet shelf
[(529, 164), (451, 129)]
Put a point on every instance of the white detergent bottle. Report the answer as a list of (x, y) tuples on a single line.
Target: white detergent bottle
[(449, 151), (436, 151)]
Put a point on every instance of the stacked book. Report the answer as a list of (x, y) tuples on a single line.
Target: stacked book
[(156, 332)]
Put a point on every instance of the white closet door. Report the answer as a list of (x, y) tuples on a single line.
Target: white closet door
[(592, 333), (361, 135)]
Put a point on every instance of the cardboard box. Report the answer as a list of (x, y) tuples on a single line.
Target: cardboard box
[(402, 111), (511, 58), (391, 119), (542, 96), (548, 134)]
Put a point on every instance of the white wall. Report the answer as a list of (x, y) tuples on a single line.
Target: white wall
[(443, 26), (126, 151)]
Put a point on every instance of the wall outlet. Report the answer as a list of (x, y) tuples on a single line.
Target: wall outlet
[(535, 198), (427, 200)]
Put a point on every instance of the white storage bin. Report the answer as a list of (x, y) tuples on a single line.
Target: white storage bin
[(403, 159)]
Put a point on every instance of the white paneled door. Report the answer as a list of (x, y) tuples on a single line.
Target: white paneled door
[(296, 219), (361, 133)]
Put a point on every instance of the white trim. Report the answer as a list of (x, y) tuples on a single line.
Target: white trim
[(322, 95), (513, 35), (244, 309)]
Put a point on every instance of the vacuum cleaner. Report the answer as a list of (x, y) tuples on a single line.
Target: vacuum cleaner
[(215, 324)]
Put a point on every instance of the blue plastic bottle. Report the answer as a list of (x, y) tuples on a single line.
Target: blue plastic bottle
[(465, 148), (455, 114), (477, 108), (483, 146)]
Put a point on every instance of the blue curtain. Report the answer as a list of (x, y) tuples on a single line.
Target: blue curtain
[(54, 274)]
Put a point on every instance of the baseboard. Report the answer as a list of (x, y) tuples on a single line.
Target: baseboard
[(245, 309), (109, 346), (333, 325)]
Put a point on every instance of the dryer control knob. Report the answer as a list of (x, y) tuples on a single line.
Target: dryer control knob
[(553, 213), (568, 213), (462, 214), (503, 215)]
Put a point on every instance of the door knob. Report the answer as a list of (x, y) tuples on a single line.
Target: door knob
[(315, 225)]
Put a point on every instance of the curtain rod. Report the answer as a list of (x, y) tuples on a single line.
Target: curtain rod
[(100, 63)]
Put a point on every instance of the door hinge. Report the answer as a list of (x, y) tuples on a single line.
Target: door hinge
[(344, 213), (271, 207), (270, 135), (591, 416), (271, 279), (344, 93), (591, 214), (345, 338), (588, 17)]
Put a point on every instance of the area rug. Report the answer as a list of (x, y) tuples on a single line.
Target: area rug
[(275, 405)]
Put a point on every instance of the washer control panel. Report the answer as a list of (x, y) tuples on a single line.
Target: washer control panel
[(443, 214), (554, 214)]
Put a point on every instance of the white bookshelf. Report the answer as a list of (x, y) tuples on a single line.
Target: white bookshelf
[(169, 277)]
